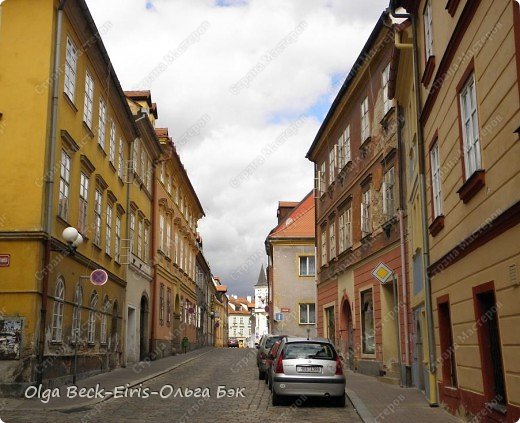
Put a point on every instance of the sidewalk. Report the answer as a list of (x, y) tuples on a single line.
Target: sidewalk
[(380, 402), (130, 376)]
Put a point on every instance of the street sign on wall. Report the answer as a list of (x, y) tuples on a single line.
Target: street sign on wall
[(5, 260), (382, 273)]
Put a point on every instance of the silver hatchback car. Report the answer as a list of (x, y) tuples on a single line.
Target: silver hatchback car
[(309, 367)]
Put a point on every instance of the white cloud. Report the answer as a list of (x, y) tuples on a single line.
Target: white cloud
[(197, 83)]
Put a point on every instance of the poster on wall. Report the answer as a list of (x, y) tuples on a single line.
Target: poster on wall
[(10, 339)]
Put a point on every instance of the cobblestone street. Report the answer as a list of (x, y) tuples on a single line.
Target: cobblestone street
[(234, 368)]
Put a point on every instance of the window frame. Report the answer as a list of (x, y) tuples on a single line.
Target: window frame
[(88, 106), (365, 120), (307, 265), (307, 313), (102, 121), (98, 208), (64, 187), (436, 183), (57, 312), (84, 185), (428, 30), (91, 332), (71, 68), (470, 166)]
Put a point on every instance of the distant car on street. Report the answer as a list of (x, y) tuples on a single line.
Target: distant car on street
[(232, 343), (310, 367)]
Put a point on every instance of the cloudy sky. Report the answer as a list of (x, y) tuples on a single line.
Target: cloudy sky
[(243, 86)]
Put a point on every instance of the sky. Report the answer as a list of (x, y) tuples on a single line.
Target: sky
[(243, 86)]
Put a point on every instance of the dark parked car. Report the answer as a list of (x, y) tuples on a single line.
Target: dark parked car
[(307, 367), (264, 346), (232, 342)]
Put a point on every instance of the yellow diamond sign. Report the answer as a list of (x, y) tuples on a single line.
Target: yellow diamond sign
[(382, 273)]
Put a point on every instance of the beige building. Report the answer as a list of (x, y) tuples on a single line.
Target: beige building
[(468, 65), (291, 270)]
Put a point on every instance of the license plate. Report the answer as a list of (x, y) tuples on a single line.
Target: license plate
[(308, 369)]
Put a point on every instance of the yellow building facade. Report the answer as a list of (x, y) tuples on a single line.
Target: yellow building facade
[(66, 132), (468, 64)]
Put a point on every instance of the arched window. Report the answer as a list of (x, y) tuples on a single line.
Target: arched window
[(92, 318), (103, 328), (57, 315), (76, 314)]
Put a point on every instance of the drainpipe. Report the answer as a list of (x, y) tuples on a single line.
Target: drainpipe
[(401, 213), (154, 270), (424, 226), (49, 188)]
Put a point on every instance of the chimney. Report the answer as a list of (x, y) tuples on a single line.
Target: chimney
[(284, 208)]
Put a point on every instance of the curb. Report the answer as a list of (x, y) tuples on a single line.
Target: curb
[(131, 384), (360, 407)]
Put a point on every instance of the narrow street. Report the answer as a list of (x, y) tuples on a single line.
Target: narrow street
[(234, 368)]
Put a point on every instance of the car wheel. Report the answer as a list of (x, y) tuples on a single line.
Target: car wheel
[(340, 401), (276, 399), (261, 375)]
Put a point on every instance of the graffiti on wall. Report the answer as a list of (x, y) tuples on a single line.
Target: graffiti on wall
[(10, 338)]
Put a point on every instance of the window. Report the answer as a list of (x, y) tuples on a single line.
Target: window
[(428, 36), (332, 164), (307, 266), (97, 217), (103, 325), (108, 232), (470, 130), (367, 322), (366, 219), (140, 238), (345, 230), (149, 174), (177, 247), (365, 126), (449, 366), (307, 314), (63, 203), (168, 238), (76, 314), (117, 246), (57, 315), (135, 157), (112, 143), (332, 239), (102, 123), (330, 324), (146, 254), (388, 193), (71, 61), (168, 184), (344, 148), (321, 179), (387, 104), (161, 304), (323, 246), (83, 202), (91, 334), (161, 232), (169, 306), (121, 163), (132, 231), (161, 174), (436, 180), (89, 99), (143, 163)]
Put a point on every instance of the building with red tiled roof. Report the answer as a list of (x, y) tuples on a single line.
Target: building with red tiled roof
[(240, 312), (290, 247)]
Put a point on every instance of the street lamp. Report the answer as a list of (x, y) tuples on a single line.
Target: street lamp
[(73, 239)]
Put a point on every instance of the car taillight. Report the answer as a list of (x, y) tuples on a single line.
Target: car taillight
[(339, 366), (279, 364)]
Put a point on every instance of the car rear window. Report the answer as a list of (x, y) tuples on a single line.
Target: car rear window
[(309, 350), (271, 340)]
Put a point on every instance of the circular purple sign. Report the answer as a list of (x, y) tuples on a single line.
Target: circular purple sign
[(99, 277)]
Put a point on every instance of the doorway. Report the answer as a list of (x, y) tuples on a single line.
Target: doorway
[(347, 334), (143, 329), (131, 355)]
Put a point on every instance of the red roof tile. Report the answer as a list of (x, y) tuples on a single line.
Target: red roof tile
[(299, 223)]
